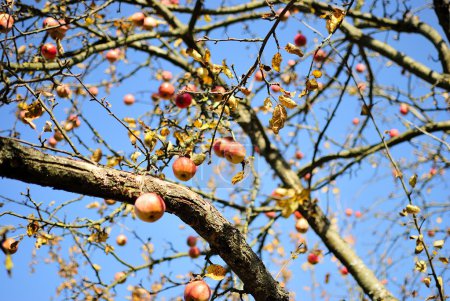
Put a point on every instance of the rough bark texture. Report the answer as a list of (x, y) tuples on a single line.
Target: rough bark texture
[(33, 166), (442, 9)]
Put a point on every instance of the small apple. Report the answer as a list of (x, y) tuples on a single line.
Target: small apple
[(129, 99), (271, 214), (140, 294), (197, 290), (275, 88), (191, 241), (52, 142), (63, 91), (292, 63), (149, 207), (234, 152), (113, 55), (362, 87), (137, 18), (259, 76), (433, 171), (58, 136), (49, 51), (302, 225), (183, 100), (343, 271), (93, 90), (286, 15), (220, 145), (10, 245), (355, 121), (109, 202), (431, 233), (57, 32), (166, 90), (121, 239), (358, 214), (166, 75), (297, 214), (404, 108), (320, 55), (194, 252), (184, 168), (120, 277), (394, 133), (348, 212), (299, 155), (149, 23), (360, 68), (313, 258), (6, 22), (218, 93), (75, 120), (300, 40), (307, 176)]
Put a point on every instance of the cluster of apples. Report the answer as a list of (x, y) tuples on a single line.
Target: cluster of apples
[(139, 19), (301, 225), (229, 149), (57, 30), (73, 121), (194, 251)]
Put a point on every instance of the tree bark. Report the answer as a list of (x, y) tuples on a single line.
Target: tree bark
[(33, 166)]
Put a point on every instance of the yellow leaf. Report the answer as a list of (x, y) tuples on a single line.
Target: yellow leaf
[(278, 118), (438, 244), (150, 140), (113, 161), (194, 54), (135, 155), (32, 228), (413, 180), (93, 205), (237, 177), (444, 260), (334, 19), (287, 102), (97, 155), (9, 264), (207, 57), (267, 103), (198, 159), (421, 266), (411, 209), (215, 272), (108, 249), (317, 73), (207, 18), (311, 84), (226, 70), (292, 49), (276, 61)]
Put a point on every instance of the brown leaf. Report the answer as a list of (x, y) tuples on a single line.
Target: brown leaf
[(215, 272), (276, 61), (237, 177), (287, 102), (292, 49), (278, 118), (334, 19)]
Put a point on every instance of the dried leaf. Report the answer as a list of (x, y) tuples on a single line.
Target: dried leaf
[(237, 177), (421, 266), (9, 264), (411, 209), (278, 118), (292, 49), (267, 103), (365, 110), (97, 155), (444, 260), (198, 159), (334, 19), (108, 249), (194, 54), (276, 61), (135, 155), (32, 228), (317, 73), (311, 84), (207, 56), (427, 281), (413, 180), (438, 244), (226, 70), (215, 272), (287, 102)]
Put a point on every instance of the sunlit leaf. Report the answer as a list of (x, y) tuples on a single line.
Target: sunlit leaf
[(438, 244), (278, 118), (413, 180), (317, 73), (412, 209), (292, 49), (421, 266), (287, 102), (32, 228), (215, 272), (276, 61), (237, 177)]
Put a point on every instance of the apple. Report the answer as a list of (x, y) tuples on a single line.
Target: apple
[(431, 233), (6, 22), (129, 99), (320, 55), (360, 68), (113, 55), (297, 214), (307, 176), (170, 2), (121, 239), (93, 91), (194, 252), (292, 63), (271, 214), (218, 93), (348, 212), (166, 90), (166, 75), (109, 202), (149, 23), (343, 271), (299, 155), (137, 18), (58, 136), (234, 152), (275, 88), (302, 225), (149, 207), (358, 214), (313, 258), (140, 294), (63, 91), (76, 122), (355, 121), (197, 290), (220, 145), (120, 277), (49, 51), (57, 32), (190, 88), (300, 40), (362, 86), (394, 133), (404, 108), (433, 171), (191, 241), (286, 15), (184, 168), (259, 76), (10, 245), (52, 142), (183, 100)]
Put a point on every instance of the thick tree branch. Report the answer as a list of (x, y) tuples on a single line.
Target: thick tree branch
[(442, 9), (32, 166)]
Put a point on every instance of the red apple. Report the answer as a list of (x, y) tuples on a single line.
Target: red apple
[(166, 90), (300, 40), (58, 136), (184, 168), (302, 225), (234, 152), (137, 18), (120, 277), (113, 55), (57, 32), (286, 15), (307, 176), (360, 68), (49, 51), (194, 252), (292, 63), (166, 75), (75, 120), (275, 88), (358, 214), (320, 55), (121, 239), (6, 22), (10, 246), (362, 87), (183, 100), (433, 171), (109, 202), (52, 142), (394, 133), (431, 233), (149, 207), (63, 91), (218, 93), (149, 23), (404, 108), (343, 271), (271, 214), (259, 76), (93, 91), (129, 99), (298, 155), (355, 121), (191, 241), (297, 214), (348, 212), (197, 290), (220, 145), (313, 258)]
